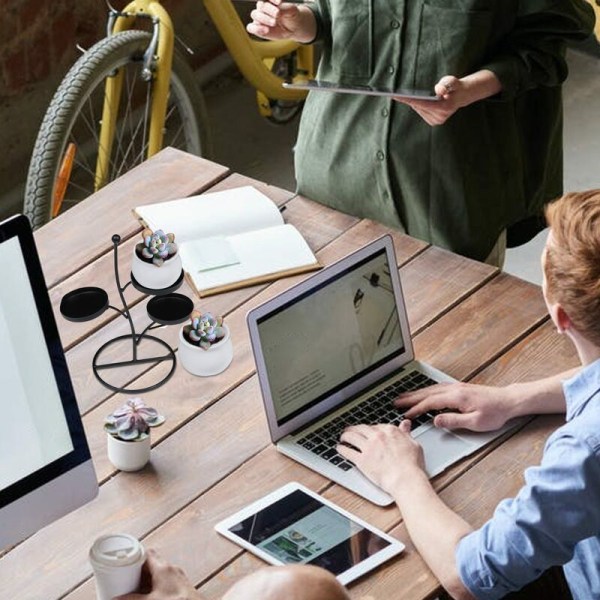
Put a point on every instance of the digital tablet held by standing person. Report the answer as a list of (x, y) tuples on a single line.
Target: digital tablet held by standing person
[(456, 173)]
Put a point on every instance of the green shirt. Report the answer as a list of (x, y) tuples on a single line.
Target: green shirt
[(491, 164)]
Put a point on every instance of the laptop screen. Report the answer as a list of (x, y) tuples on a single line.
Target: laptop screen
[(330, 336)]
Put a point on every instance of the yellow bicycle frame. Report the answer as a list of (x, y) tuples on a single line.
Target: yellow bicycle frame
[(254, 58), (114, 84)]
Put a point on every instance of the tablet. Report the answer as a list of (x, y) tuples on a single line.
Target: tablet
[(294, 525), (318, 85)]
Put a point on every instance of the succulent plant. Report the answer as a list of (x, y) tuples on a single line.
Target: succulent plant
[(204, 329), (132, 421), (157, 246)]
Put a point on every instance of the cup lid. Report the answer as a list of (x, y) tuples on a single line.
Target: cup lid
[(116, 550)]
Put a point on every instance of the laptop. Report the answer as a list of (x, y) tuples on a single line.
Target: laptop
[(335, 350)]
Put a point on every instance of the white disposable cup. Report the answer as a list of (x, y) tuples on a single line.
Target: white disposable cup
[(117, 561)]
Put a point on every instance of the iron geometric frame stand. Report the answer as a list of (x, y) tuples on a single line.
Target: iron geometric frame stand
[(166, 308)]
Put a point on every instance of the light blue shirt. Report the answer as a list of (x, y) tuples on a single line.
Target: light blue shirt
[(555, 518)]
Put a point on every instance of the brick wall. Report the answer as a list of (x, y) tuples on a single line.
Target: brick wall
[(38, 41)]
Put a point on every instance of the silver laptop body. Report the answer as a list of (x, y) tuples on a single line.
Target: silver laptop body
[(336, 347)]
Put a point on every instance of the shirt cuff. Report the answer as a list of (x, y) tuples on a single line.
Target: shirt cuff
[(504, 69), (475, 577), (318, 20)]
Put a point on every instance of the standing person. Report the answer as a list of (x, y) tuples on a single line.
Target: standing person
[(456, 172), (555, 517)]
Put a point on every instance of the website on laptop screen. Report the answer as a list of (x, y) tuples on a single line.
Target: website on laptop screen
[(330, 336), (30, 401)]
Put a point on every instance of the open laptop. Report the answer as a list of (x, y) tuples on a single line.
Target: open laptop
[(335, 350)]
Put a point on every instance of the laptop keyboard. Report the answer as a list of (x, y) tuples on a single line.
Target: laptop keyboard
[(377, 408)]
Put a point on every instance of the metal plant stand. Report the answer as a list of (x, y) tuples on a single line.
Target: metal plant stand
[(165, 308)]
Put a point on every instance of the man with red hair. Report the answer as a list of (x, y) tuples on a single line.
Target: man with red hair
[(555, 517)]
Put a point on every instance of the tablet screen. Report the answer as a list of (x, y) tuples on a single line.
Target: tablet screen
[(299, 528)]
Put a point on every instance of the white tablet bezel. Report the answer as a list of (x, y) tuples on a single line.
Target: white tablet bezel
[(358, 570)]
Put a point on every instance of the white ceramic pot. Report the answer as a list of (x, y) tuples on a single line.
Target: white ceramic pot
[(202, 362), (156, 278), (128, 456)]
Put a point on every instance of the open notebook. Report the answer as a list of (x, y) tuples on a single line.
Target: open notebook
[(230, 239)]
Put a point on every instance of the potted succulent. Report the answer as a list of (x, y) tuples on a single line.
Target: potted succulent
[(205, 346), (156, 264), (128, 434)]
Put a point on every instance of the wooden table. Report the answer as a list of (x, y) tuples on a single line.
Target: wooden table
[(214, 455)]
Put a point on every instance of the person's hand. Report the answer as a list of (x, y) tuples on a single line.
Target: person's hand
[(162, 581), (453, 94), (277, 20), (386, 454), (470, 406)]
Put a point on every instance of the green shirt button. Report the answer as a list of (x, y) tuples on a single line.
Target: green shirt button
[(391, 70), (385, 112), (395, 24), (380, 155)]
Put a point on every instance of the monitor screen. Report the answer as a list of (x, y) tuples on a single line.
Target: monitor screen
[(43, 440), (30, 399)]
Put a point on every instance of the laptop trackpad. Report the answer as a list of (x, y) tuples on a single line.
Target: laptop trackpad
[(441, 449)]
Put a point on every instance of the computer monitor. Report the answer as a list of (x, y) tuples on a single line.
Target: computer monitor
[(45, 464)]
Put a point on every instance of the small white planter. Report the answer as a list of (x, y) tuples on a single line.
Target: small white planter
[(202, 362), (156, 278), (128, 456)]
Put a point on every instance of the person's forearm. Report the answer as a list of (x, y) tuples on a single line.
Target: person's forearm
[(434, 529), (480, 85), (544, 396)]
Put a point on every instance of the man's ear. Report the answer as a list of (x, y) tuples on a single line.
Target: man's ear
[(561, 318)]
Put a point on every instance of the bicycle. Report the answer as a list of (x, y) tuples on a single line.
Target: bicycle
[(133, 93)]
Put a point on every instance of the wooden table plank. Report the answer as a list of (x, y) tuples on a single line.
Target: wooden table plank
[(542, 353), (439, 273), (500, 313)]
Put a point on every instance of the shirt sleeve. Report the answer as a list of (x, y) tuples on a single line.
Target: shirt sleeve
[(557, 507), (533, 53), (320, 9)]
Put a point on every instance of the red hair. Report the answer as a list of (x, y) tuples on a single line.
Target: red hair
[(572, 265)]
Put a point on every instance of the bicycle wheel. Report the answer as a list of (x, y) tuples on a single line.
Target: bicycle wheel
[(74, 117)]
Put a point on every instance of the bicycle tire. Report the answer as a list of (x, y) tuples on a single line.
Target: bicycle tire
[(81, 86)]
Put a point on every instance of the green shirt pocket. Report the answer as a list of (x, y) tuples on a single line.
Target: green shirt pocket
[(352, 43), (452, 42)]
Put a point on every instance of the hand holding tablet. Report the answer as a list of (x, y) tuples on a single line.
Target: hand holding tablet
[(294, 525)]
